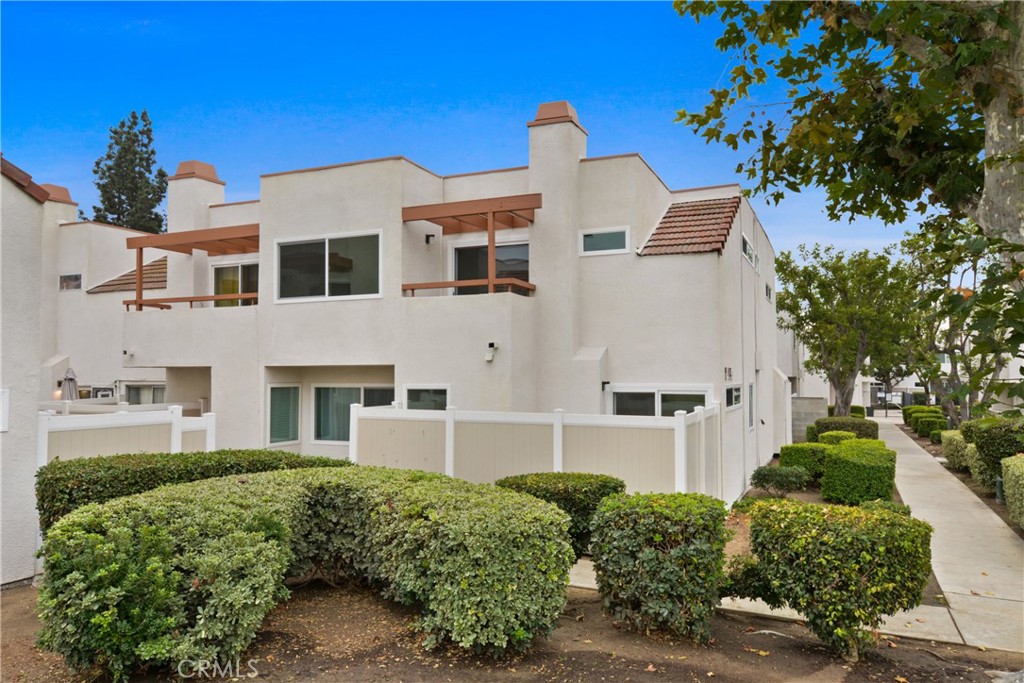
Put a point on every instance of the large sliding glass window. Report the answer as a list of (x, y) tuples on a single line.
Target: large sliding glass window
[(333, 408), (240, 279), (655, 403), (513, 260), (333, 267), (284, 414)]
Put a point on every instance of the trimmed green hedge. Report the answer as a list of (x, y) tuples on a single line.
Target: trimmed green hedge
[(810, 456), (63, 485), (811, 434), (778, 481), (927, 425), (855, 411), (843, 568), (1013, 487), (979, 472), (576, 493), (970, 427), (832, 438), (189, 571), (660, 560), (936, 436), (997, 439), (954, 449), (910, 411), (863, 428), (858, 470), (890, 505)]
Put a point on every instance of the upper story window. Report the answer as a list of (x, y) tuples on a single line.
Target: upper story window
[(768, 292), (749, 253), (513, 260), (237, 279), (70, 282), (604, 241), (733, 396), (333, 267)]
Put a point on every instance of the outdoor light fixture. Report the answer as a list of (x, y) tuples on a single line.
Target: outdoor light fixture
[(728, 374), (430, 237), (491, 348)]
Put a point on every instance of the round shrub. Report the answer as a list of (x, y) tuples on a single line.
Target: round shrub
[(576, 493), (189, 571), (832, 438), (954, 449), (810, 456), (843, 568), (63, 485), (778, 481), (660, 560), (1013, 487), (857, 470), (863, 428)]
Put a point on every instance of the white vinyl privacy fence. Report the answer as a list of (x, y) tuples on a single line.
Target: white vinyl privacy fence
[(651, 454), (152, 431)]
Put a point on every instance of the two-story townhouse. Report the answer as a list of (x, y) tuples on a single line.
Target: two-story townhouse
[(574, 283)]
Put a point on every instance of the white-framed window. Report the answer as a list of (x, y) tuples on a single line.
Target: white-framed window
[(332, 407), (236, 278), (71, 282), (140, 394), (749, 253), (750, 406), (768, 292), (426, 396), (283, 403), (733, 396), (604, 241), (344, 266), (658, 400)]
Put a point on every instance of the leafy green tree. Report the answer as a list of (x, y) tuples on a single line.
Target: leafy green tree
[(844, 309), (889, 106), (130, 191)]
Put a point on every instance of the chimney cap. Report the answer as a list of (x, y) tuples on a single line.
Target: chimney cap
[(556, 112), (58, 194), (197, 169)]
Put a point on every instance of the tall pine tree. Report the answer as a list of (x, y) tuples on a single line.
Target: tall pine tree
[(130, 191)]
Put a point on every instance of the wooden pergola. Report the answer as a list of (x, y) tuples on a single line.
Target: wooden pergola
[(235, 239), (477, 215)]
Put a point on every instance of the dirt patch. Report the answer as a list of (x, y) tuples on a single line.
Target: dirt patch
[(984, 494)]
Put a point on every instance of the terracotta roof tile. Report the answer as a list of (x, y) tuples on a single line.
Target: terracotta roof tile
[(23, 180), (154, 276), (693, 227)]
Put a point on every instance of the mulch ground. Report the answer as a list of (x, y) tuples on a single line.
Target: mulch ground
[(351, 634)]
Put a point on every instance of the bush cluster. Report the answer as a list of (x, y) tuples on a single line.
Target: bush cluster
[(189, 571), (832, 438), (1013, 487), (811, 434), (997, 438), (954, 449), (858, 470), (843, 568), (979, 472), (927, 425), (577, 494), (936, 436), (63, 485), (660, 560), (890, 505), (863, 428), (810, 456), (778, 481), (910, 411), (969, 428)]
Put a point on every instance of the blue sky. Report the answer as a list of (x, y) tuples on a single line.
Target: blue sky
[(262, 87)]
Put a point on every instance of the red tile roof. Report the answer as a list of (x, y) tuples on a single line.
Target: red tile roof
[(23, 180), (154, 276), (695, 227)]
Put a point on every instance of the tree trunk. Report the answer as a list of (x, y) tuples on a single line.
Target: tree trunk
[(844, 394)]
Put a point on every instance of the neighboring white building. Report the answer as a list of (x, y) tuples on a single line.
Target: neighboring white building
[(348, 283), (57, 312)]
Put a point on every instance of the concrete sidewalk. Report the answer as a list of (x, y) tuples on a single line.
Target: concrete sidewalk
[(977, 559)]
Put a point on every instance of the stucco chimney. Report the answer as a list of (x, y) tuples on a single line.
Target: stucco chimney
[(190, 191)]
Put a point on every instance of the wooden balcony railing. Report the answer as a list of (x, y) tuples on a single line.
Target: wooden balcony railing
[(509, 283), (164, 303)]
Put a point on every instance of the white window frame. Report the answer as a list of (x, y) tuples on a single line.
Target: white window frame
[(755, 260), (734, 406), (407, 387), (751, 413), (312, 402), (233, 263), (325, 238), (144, 385), (266, 437), (504, 238), (658, 389), (606, 252)]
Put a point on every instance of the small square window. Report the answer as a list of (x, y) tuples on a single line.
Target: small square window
[(70, 282), (733, 396)]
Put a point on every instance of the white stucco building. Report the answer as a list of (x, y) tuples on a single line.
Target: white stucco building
[(373, 282), (58, 309)]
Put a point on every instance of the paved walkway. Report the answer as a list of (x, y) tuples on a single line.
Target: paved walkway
[(977, 559)]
